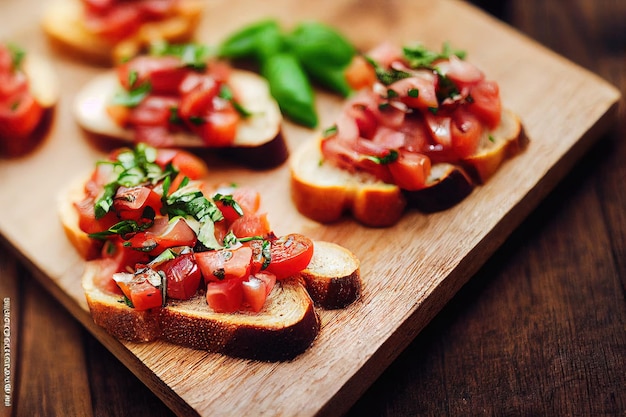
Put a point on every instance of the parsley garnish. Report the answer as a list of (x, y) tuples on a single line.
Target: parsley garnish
[(17, 56), (419, 56), (133, 97), (192, 55), (227, 94), (384, 160), (132, 168), (330, 131), (123, 228)]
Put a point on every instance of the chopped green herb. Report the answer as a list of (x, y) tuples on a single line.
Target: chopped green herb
[(123, 228), (384, 160), (227, 94), (419, 56), (229, 201), (133, 97), (194, 56), (331, 131), (17, 56)]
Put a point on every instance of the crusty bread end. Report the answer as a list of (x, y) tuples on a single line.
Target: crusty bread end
[(333, 277)]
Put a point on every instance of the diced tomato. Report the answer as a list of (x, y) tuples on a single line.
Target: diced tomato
[(461, 72), (164, 73), (153, 111), (183, 276), (260, 257), (115, 258), (248, 199), (162, 235), (119, 114), (131, 203), (360, 73), (220, 127), (19, 116), (466, 131), (225, 264), (225, 296), (87, 221), (256, 290), (140, 289), (250, 225), (486, 103), (410, 170), (118, 23), (417, 92), (290, 254), (365, 119), (190, 165)]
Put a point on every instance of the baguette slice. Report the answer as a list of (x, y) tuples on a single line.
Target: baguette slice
[(259, 142), (63, 22), (333, 277), (286, 327), (324, 192)]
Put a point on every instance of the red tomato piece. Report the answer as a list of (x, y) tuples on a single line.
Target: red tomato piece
[(290, 254), (256, 290), (130, 203), (225, 264), (486, 103), (248, 200), (410, 170), (250, 225), (165, 73), (162, 235), (220, 127), (466, 131), (116, 258), (190, 165), (19, 116), (140, 289), (87, 221), (225, 296), (183, 276), (360, 73)]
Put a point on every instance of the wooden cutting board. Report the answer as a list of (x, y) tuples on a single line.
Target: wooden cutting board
[(410, 271)]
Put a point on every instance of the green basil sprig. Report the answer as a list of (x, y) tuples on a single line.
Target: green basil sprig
[(292, 61)]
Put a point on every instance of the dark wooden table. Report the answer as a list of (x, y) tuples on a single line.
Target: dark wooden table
[(539, 330)]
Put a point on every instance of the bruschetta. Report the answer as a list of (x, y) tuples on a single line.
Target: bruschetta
[(175, 95), (171, 257), (110, 31), (28, 94), (423, 130)]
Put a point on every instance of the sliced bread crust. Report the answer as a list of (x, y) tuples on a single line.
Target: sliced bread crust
[(333, 277)]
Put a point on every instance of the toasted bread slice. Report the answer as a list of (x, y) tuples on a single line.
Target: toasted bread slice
[(333, 276), (258, 142), (63, 22), (324, 192), (284, 328)]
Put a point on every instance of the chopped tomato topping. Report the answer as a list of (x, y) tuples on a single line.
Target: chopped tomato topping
[(166, 96), (290, 254), (422, 106)]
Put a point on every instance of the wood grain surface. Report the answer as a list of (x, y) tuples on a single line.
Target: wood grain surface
[(539, 329)]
